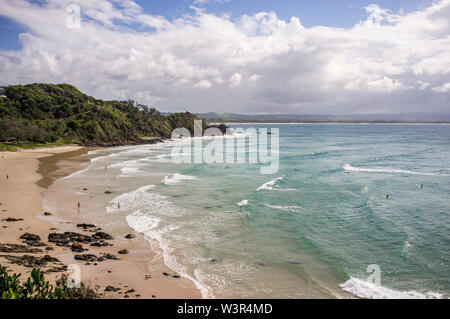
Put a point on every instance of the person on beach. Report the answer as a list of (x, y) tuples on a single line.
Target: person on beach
[(118, 205), (7, 176), (79, 206)]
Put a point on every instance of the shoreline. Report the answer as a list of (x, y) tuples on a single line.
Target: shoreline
[(138, 274)]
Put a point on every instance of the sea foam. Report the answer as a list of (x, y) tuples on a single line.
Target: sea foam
[(351, 168), (132, 200), (243, 203), (293, 209), (153, 231), (270, 185), (177, 178), (368, 290)]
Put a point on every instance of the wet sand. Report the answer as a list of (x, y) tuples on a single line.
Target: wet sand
[(139, 274)]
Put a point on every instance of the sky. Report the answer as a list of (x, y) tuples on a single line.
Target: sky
[(240, 56)]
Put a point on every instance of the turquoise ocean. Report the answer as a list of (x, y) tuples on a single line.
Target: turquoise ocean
[(310, 230)]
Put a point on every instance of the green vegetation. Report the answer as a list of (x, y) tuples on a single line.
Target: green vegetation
[(44, 114), (36, 287), (13, 146)]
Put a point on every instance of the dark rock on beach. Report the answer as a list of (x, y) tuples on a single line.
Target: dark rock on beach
[(89, 257), (111, 288), (102, 235), (11, 219), (65, 239), (22, 249), (101, 243), (112, 257), (30, 261), (124, 251), (86, 226), (130, 236), (56, 269), (30, 237), (48, 214), (77, 247), (36, 243)]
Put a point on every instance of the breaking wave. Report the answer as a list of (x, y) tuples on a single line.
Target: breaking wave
[(351, 168), (368, 290), (177, 178), (270, 185)]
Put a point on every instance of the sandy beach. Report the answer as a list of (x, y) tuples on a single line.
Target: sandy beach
[(24, 176)]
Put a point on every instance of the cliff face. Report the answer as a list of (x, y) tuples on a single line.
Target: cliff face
[(43, 113)]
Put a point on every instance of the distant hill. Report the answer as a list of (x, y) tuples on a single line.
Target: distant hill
[(365, 118), (46, 113)]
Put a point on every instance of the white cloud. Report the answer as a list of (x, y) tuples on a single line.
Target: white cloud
[(443, 88), (235, 80), (204, 84), (257, 63), (203, 2), (423, 85), (254, 78)]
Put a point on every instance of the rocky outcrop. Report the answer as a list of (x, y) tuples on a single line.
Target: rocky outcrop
[(20, 249), (30, 237), (89, 257), (77, 247), (30, 261), (67, 238)]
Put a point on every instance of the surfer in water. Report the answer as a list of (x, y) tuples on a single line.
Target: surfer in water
[(387, 196)]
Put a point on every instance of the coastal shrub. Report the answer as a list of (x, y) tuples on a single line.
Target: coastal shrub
[(84, 292), (34, 288), (73, 124), (10, 287)]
